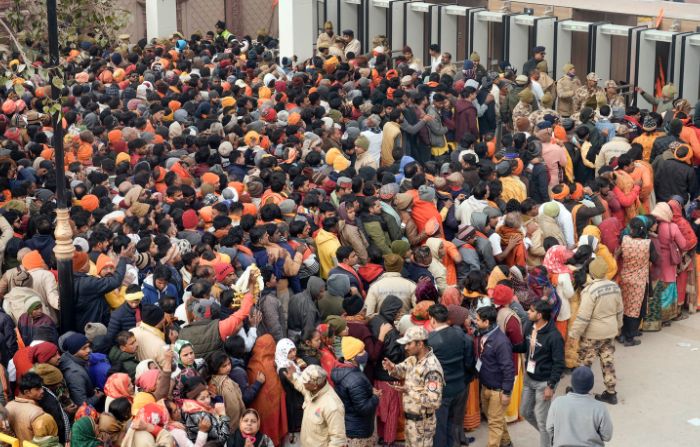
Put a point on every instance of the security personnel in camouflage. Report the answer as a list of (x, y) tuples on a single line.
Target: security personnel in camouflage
[(422, 389), (615, 100), (587, 91)]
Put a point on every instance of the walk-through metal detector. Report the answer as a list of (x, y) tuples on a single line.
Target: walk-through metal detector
[(646, 57), (689, 68), (564, 30), (396, 24), (376, 19), (417, 15), (601, 51), (524, 32), (480, 37), (450, 18), (350, 16)]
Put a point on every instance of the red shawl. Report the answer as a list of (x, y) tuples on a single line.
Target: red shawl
[(683, 225)]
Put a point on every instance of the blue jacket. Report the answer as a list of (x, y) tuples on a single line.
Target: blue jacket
[(151, 295), (89, 295), (98, 367), (355, 390), (496, 370)]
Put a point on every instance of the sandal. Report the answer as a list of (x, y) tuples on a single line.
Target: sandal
[(681, 317)]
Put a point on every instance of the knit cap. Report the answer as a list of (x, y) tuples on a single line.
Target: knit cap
[(94, 330), (74, 342)]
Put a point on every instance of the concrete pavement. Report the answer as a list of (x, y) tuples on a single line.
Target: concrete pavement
[(658, 392)]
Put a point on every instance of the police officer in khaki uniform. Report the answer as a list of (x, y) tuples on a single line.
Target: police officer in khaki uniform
[(615, 100), (587, 91), (422, 390), (566, 91)]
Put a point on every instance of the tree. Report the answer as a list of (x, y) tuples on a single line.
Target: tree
[(96, 20)]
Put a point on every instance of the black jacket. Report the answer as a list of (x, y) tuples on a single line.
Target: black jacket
[(538, 183), (8, 338), (496, 370), (355, 390), (391, 349), (294, 402), (89, 295), (548, 354), (455, 351), (80, 385), (50, 404), (122, 319), (673, 177)]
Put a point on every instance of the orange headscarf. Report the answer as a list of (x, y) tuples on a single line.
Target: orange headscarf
[(118, 385)]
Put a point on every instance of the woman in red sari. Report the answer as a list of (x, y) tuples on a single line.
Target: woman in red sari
[(270, 401)]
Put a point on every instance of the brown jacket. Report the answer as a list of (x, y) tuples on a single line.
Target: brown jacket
[(352, 236), (233, 399), (22, 413)]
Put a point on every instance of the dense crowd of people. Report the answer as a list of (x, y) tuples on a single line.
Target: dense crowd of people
[(345, 251)]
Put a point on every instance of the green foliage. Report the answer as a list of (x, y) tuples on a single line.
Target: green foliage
[(100, 19)]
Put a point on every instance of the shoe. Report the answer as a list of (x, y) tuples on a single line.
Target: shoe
[(681, 316), (632, 342), (608, 398), (620, 339)]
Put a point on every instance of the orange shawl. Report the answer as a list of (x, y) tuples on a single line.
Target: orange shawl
[(270, 401), (517, 255)]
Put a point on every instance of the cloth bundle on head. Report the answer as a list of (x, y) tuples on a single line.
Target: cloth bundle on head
[(74, 342)]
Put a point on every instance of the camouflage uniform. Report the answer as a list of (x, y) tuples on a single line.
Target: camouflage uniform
[(589, 349), (424, 381), (521, 109), (583, 92), (538, 115), (616, 101)]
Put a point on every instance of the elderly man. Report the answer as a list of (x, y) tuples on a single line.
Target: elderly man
[(323, 422)]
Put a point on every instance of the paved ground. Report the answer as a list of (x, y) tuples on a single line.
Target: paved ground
[(658, 388)]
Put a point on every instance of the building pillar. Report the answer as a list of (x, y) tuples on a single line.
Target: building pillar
[(296, 28), (161, 18)]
